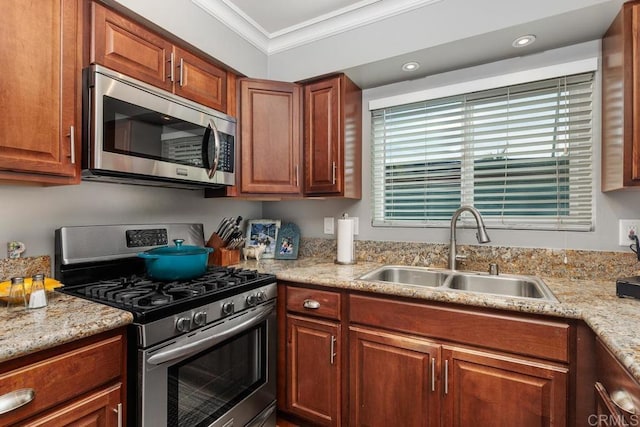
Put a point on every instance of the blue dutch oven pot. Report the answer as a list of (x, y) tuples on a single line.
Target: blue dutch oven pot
[(179, 262)]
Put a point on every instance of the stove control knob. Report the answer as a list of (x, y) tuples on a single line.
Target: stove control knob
[(227, 308), (183, 324), (200, 318), (262, 296), (252, 299)]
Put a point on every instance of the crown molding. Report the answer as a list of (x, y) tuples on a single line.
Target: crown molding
[(362, 13)]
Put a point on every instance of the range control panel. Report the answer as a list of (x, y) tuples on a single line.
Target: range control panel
[(149, 237)]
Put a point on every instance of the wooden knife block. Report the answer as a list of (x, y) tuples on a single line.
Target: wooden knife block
[(221, 256)]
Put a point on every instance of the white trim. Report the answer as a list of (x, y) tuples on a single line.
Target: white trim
[(542, 73), (348, 18)]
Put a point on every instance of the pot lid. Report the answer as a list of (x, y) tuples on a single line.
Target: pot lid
[(179, 249)]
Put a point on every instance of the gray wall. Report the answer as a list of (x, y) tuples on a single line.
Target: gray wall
[(308, 214), (31, 214)]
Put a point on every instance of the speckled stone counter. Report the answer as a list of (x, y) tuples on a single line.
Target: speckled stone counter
[(616, 321), (65, 319)]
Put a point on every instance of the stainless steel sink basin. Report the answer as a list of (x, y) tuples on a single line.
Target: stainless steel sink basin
[(507, 285), (405, 275), (440, 279)]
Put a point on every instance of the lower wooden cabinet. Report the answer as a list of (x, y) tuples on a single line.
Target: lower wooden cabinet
[(422, 364), (76, 384), (501, 390), (102, 408), (393, 379), (617, 393), (314, 369)]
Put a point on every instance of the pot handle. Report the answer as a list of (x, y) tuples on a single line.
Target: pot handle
[(148, 256)]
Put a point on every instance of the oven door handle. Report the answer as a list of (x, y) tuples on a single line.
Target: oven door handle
[(204, 343)]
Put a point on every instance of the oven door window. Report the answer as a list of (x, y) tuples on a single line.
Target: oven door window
[(204, 387), (137, 131)]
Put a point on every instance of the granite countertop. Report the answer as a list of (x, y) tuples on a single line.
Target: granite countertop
[(64, 319), (616, 321)]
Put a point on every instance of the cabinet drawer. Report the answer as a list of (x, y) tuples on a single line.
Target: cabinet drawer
[(617, 384), (62, 377), (314, 302), (514, 334)]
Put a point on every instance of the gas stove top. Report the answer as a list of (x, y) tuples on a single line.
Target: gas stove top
[(149, 300)]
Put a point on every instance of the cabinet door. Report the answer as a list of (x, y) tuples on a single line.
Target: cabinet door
[(270, 137), (322, 140), (393, 380), (40, 91), (501, 390), (313, 369), (125, 46), (99, 409), (200, 81)]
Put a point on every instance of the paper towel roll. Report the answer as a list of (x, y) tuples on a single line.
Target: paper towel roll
[(345, 241)]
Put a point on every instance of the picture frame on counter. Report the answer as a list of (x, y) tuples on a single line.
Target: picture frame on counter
[(263, 232), (288, 242)]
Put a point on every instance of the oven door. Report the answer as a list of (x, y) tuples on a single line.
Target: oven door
[(137, 130), (219, 375)]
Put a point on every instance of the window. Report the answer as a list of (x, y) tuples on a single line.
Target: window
[(522, 155)]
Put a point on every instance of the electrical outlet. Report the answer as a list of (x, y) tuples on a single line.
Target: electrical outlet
[(626, 227), (328, 225)]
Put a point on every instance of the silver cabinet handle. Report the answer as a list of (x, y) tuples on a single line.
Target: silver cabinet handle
[(72, 143), (446, 377), (171, 73), (311, 304), (623, 401), (16, 399), (297, 179), (333, 172), (181, 70), (118, 411), (333, 349), (433, 374)]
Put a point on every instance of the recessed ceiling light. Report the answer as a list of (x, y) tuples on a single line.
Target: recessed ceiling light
[(410, 66), (524, 40)]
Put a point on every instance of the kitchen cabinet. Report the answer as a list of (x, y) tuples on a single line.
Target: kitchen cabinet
[(333, 138), (393, 379), (418, 363), (41, 91), (80, 383), (271, 137), (470, 378), (620, 98), (123, 45), (617, 392), (313, 355)]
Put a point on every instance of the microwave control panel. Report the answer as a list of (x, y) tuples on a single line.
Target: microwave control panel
[(227, 151)]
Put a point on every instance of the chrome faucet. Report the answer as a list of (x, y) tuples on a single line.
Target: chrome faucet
[(481, 235)]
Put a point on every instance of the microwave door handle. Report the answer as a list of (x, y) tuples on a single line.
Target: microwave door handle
[(205, 147), (211, 340)]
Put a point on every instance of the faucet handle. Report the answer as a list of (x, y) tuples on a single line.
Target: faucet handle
[(494, 270)]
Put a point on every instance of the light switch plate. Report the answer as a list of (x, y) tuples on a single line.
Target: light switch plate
[(328, 225), (626, 226)]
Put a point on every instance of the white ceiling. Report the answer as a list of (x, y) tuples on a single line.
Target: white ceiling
[(475, 31)]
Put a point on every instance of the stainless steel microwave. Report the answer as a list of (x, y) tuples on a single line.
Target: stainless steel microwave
[(137, 134)]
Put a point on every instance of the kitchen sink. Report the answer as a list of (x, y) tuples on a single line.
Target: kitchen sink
[(439, 279), (417, 276), (507, 285)]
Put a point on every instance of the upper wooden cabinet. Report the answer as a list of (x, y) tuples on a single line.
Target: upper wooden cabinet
[(41, 91), (333, 138), (130, 48), (270, 137), (620, 99)]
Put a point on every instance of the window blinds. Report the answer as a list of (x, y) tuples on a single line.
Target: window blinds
[(520, 154)]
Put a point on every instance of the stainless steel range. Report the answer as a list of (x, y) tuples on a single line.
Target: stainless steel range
[(202, 351)]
